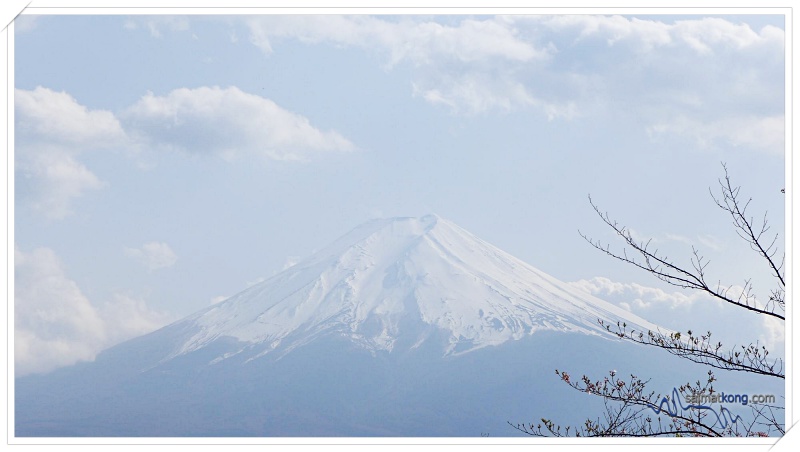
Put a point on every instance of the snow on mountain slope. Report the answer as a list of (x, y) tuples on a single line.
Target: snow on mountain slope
[(396, 283), (402, 327)]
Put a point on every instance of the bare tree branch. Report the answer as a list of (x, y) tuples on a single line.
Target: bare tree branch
[(632, 412), (667, 271), (744, 227), (702, 350)]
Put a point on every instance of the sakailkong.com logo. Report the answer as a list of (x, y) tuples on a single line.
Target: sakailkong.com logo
[(721, 397)]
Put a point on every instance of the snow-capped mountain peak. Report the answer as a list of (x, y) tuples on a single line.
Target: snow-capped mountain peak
[(398, 282), (402, 327)]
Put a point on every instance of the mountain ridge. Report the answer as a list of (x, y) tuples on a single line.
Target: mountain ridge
[(402, 327), (426, 273)]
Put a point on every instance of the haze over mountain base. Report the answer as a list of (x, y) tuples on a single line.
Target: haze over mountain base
[(333, 389)]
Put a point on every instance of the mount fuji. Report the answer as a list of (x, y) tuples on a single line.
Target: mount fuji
[(401, 327), (397, 283)]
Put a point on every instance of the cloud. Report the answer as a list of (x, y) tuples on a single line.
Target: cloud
[(474, 93), (774, 335), (156, 25), (682, 310), (460, 65), (417, 41), (704, 241), (710, 80), (51, 130), (126, 317), (711, 34), (258, 280), (657, 303), (219, 299), (291, 261), (634, 296), (228, 122), (762, 133), (154, 255), (710, 241), (50, 179), (44, 115), (640, 35), (704, 36), (56, 325)]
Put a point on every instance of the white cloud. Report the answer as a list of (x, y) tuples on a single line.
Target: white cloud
[(56, 325), (258, 280), (710, 33), (51, 178), (460, 65), (154, 255), (219, 299), (474, 93), (720, 79), (156, 25), (711, 242), (291, 261), (634, 296), (709, 80), (774, 336), (704, 36), (419, 42), (126, 317), (52, 129), (700, 241), (684, 307), (229, 123), (679, 238), (641, 35), (44, 115), (761, 133), (697, 310)]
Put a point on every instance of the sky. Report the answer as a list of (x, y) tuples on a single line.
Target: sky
[(165, 163)]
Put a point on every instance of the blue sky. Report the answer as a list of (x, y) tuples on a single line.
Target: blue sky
[(166, 162)]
